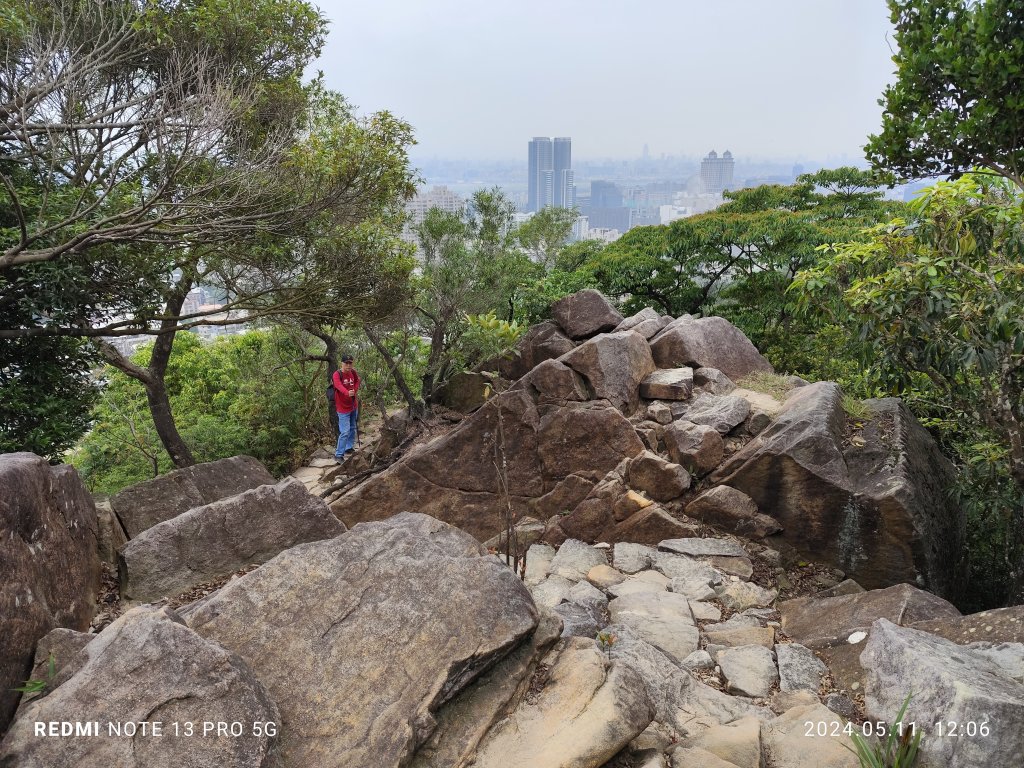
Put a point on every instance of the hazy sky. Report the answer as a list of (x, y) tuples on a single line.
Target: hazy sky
[(477, 79)]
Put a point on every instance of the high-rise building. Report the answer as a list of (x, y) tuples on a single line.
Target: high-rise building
[(716, 172), (540, 189), (563, 179), (550, 179)]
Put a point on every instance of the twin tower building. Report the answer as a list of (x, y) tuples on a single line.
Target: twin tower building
[(551, 181)]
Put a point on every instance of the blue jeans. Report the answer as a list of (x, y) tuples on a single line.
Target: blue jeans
[(346, 432)]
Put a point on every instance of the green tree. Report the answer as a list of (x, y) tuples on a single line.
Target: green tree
[(471, 266), (937, 299), (958, 99), (545, 234), (270, 191)]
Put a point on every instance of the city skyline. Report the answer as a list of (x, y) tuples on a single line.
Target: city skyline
[(791, 80)]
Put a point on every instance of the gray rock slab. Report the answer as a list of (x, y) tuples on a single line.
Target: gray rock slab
[(588, 711), (799, 668), (661, 618), (147, 666), (214, 540), (948, 684), (575, 559), (631, 558), (143, 505), (682, 702), (703, 547), (749, 670), (721, 412), (327, 626), (538, 562)]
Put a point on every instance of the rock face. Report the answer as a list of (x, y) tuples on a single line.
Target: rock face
[(217, 539), (951, 685), (466, 719), (668, 384), (145, 667), (353, 636), (697, 447), (144, 505), (657, 478), (711, 342), (544, 341), (588, 710), (584, 314), (543, 446), (50, 562), (733, 510), (613, 365), (877, 507)]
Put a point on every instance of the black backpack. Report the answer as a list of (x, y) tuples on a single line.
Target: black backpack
[(330, 393)]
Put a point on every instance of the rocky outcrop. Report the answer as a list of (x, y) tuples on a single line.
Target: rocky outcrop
[(979, 707), (710, 342), (354, 639), (216, 539), (697, 447), (50, 562), (544, 341), (588, 710), (516, 442), (144, 505), (148, 667), (613, 365), (584, 314), (836, 627), (466, 719), (732, 510), (876, 507)]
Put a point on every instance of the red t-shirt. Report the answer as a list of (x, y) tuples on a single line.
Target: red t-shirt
[(343, 382)]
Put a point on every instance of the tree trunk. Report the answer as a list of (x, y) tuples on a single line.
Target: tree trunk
[(163, 420), (416, 407)]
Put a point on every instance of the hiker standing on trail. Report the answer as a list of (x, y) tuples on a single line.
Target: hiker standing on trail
[(346, 388)]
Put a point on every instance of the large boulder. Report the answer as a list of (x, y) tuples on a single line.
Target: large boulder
[(668, 384), (465, 720), (216, 539), (613, 365), (836, 626), (710, 342), (978, 707), (697, 447), (588, 710), (733, 510), (720, 412), (465, 391), (584, 314), (148, 667), (511, 452), (876, 506), (50, 562), (143, 505), (353, 635), (680, 700), (544, 341), (657, 478)]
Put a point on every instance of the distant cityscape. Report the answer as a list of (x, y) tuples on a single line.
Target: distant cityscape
[(611, 197)]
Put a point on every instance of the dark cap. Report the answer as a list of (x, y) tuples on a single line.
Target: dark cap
[(346, 358)]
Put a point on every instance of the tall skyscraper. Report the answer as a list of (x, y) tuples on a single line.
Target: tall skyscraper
[(716, 172), (540, 191), (550, 179), (563, 164)]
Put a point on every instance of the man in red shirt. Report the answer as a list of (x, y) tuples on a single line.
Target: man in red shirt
[(346, 388)]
